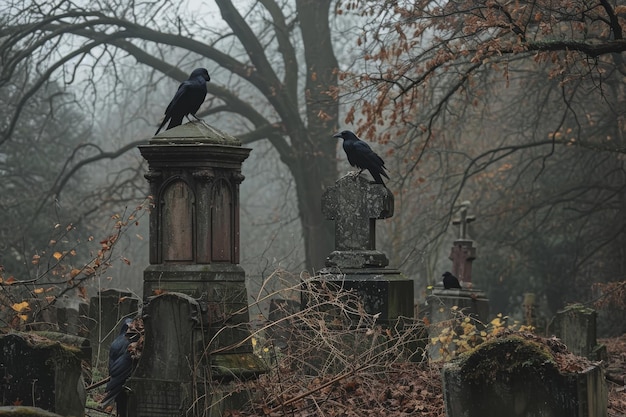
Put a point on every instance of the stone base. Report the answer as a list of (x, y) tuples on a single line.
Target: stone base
[(472, 302), (220, 290), (357, 259), (381, 290)]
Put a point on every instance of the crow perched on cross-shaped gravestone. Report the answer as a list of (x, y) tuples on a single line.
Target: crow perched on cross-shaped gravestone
[(360, 155), (187, 100), (450, 281)]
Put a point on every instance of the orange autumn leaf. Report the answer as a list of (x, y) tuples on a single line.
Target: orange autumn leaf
[(38, 290), (82, 292), (19, 307), (57, 255)]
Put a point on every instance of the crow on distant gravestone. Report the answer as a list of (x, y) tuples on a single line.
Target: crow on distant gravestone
[(450, 281), (120, 366), (187, 100), (360, 155)]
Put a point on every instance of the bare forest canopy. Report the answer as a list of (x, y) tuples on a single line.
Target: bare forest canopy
[(516, 106)]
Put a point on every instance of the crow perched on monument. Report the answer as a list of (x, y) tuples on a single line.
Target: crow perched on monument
[(120, 366), (187, 100), (360, 155), (450, 281)]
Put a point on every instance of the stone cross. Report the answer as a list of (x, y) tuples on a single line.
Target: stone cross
[(355, 204), (463, 251), (464, 220)]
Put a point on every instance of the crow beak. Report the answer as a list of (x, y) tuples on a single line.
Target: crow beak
[(337, 135)]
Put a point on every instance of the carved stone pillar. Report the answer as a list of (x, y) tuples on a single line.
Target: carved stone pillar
[(194, 172)]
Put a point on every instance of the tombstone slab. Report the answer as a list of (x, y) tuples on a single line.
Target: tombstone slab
[(515, 377), (41, 373), (575, 325), (162, 384), (106, 311)]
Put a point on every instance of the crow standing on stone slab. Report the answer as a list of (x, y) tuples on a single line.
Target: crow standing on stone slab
[(360, 155), (187, 100), (120, 366), (450, 281)]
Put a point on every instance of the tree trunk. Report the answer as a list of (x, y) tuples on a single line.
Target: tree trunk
[(314, 164)]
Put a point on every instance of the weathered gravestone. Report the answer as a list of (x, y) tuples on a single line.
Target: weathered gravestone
[(194, 175), (106, 312), (355, 265), (68, 315), (41, 373), (575, 325), (516, 377), (173, 360), (443, 303)]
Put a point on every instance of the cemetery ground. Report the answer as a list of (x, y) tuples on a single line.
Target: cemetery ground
[(397, 388), (322, 367), (320, 364)]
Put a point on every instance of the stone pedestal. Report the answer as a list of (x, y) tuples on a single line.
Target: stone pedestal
[(515, 377), (194, 174)]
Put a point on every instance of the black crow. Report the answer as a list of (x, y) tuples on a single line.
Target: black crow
[(450, 281), (187, 100), (360, 155), (120, 365)]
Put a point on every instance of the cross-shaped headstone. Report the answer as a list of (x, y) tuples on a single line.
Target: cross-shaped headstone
[(463, 251), (464, 220), (355, 204)]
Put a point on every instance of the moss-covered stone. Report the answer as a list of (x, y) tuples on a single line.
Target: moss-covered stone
[(23, 411), (505, 356), (516, 377), (41, 372)]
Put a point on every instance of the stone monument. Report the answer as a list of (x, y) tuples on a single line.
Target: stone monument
[(194, 171), (355, 204), (467, 299)]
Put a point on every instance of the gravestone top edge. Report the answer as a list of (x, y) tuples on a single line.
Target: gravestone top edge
[(38, 341), (21, 410), (195, 132), (516, 350), (577, 308)]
